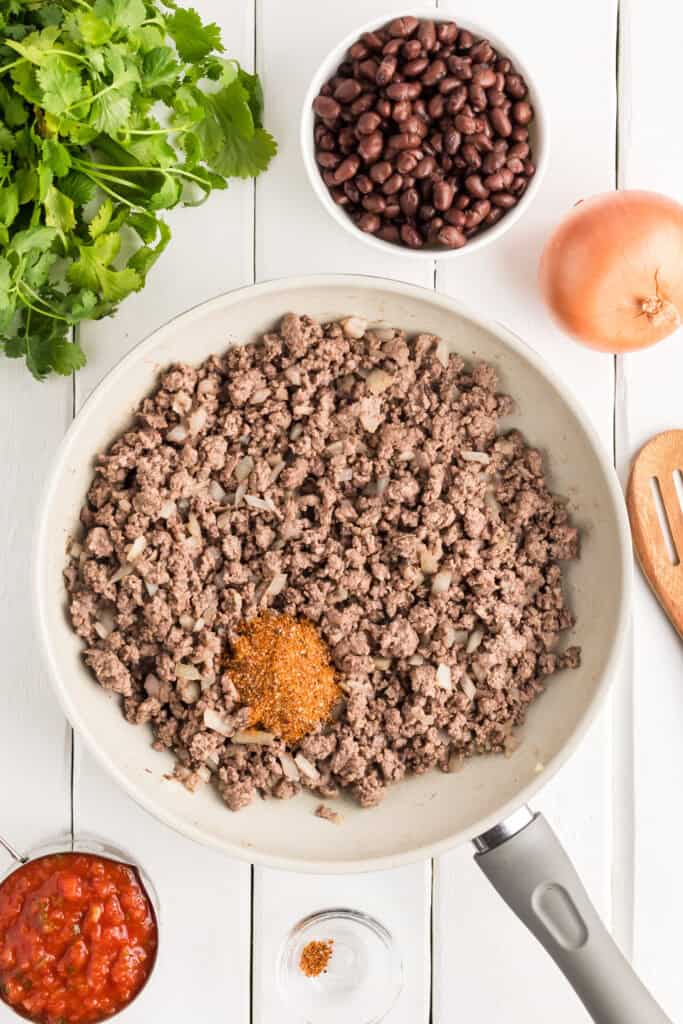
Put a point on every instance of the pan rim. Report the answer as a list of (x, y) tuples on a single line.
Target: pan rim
[(422, 851)]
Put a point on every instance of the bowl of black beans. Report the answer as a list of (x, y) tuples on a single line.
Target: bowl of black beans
[(425, 134)]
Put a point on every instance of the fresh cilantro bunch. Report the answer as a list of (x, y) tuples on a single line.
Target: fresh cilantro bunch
[(110, 112)]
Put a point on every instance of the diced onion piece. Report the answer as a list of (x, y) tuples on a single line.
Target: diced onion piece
[(259, 396), (296, 431), (378, 381), (263, 739), (480, 672), (197, 419), (443, 677), (405, 456), (474, 641), (382, 663), (276, 586), (254, 502), (429, 563), (107, 617), (136, 548), (335, 448), (354, 326), (492, 502), (243, 468), (456, 762), (184, 671), (223, 520), (217, 491), (168, 510), (239, 493), (289, 766), (442, 353), (151, 588), (345, 475), (193, 527), (277, 469), (384, 333), (480, 457), (152, 685), (460, 636), (186, 621), (177, 434), (441, 582), (199, 625), (190, 691), (416, 659), (467, 686), (212, 762), (101, 630), (212, 720), (124, 570), (75, 549), (305, 766)]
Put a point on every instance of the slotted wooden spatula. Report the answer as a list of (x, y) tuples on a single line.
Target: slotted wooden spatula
[(653, 469)]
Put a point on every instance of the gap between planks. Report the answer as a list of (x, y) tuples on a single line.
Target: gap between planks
[(623, 783)]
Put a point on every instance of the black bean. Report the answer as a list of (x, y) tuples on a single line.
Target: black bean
[(385, 72), (347, 169), (381, 171), (327, 159), (411, 236), (409, 202), (404, 90), (374, 203), (451, 237), (402, 27), (500, 122), (370, 147), (392, 185), (503, 200), (327, 107), (476, 187), (414, 68), (426, 35), (522, 112), (369, 222)]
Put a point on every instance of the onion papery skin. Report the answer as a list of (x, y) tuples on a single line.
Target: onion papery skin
[(612, 271)]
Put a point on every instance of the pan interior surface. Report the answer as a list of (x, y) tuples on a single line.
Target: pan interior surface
[(424, 814)]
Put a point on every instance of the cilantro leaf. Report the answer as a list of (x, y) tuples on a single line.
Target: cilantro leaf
[(110, 112), (92, 270), (87, 162), (57, 157), (61, 84), (159, 67), (193, 40), (59, 211)]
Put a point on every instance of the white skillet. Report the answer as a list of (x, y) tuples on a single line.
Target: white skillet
[(426, 815)]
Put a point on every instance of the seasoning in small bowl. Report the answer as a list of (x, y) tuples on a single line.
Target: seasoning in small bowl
[(78, 938), (422, 134)]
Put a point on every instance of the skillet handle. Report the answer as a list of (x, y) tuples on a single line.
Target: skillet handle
[(535, 877)]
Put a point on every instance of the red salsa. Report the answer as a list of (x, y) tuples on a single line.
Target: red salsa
[(78, 938)]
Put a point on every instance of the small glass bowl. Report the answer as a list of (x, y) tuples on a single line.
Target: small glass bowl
[(87, 843), (363, 978)]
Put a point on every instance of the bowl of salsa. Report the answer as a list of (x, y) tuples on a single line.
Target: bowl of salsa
[(78, 934)]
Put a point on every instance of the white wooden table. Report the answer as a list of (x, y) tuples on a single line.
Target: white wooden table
[(611, 76)]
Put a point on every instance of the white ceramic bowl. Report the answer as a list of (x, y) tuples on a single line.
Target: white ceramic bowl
[(538, 138), (423, 814)]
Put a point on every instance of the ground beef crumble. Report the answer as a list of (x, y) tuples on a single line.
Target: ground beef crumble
[(352, 476)]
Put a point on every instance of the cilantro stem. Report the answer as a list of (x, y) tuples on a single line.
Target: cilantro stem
[(36, 309), (110, 191), (8, 67), (155, 131), (94, 171), (145, 170)]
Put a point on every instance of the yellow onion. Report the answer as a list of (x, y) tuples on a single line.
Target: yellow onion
[(612, 271)]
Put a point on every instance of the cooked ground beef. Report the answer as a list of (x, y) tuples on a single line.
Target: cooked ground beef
[(352, 476)]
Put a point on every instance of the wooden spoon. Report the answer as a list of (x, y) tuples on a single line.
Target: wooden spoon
[(653, 467)]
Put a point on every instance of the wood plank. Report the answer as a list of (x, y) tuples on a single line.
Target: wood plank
[(651, 157), (294, 235), (199, 889), (477, 939), (35, 743)]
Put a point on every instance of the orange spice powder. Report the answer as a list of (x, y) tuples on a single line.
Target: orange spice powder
[(315, 957), (281, 669)]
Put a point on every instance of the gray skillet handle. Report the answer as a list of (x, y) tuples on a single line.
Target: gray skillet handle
[(535, 877)]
